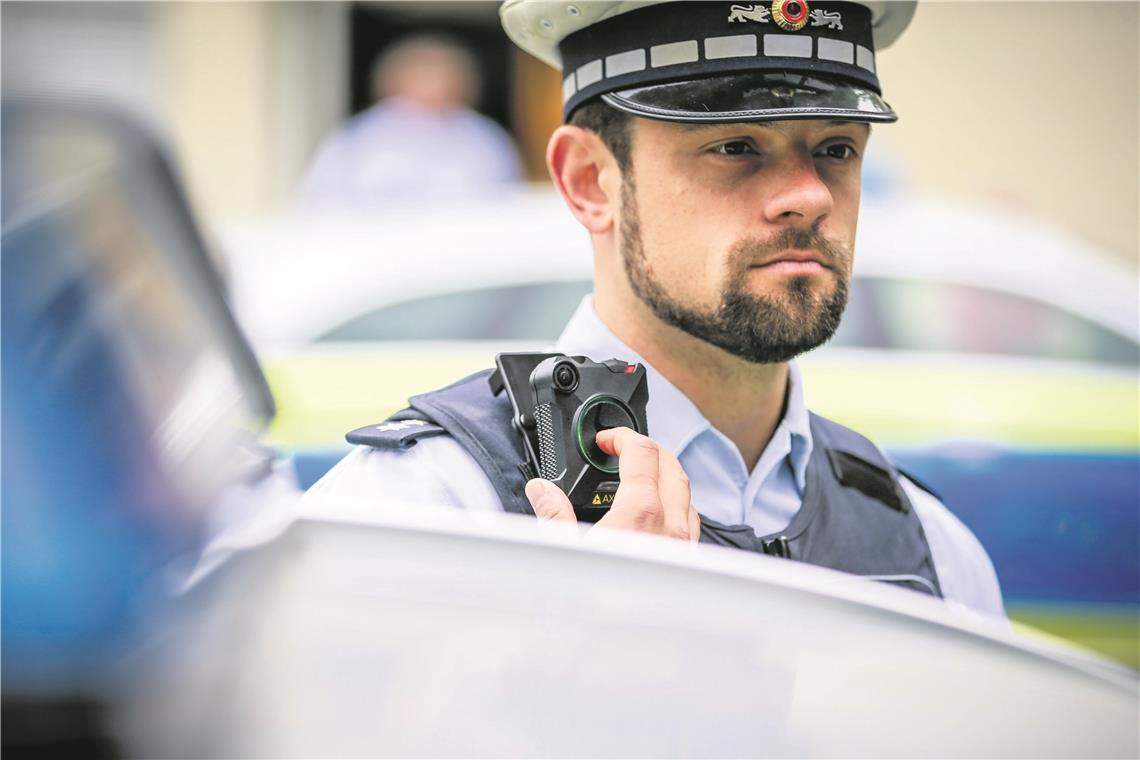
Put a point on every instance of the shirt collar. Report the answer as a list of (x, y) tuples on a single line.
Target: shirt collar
[(798, 423), (674, 420)]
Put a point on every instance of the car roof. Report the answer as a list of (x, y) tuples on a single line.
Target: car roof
[(971, 245)]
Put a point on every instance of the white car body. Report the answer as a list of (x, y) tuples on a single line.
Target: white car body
[(375, 630)]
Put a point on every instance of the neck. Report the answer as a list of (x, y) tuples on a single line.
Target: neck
[(743, 400)]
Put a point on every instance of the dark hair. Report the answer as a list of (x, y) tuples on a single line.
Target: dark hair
[(609, 124)]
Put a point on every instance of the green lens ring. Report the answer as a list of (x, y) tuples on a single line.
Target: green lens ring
[(580, 417)]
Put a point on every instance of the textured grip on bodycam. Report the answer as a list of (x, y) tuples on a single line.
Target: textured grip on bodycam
[(547, 458)]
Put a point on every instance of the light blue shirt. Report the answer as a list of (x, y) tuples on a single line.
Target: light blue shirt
[(439, 471)]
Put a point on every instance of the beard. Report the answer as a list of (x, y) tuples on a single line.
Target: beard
[(761, 329)]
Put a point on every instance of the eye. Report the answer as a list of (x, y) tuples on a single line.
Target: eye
[(735, 148), (838, 151)]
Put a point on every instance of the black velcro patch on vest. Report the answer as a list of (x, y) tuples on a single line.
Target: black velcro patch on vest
[(861, 475), (394, 434)]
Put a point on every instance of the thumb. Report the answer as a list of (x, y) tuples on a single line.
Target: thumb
[(548, 501)]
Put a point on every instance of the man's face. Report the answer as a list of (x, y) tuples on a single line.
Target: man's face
[(741, 234)]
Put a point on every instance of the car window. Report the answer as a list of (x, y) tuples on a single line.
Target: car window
[(532, 311), (862, 323), (904, 314)]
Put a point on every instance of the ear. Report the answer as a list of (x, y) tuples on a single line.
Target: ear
[(587, 175)]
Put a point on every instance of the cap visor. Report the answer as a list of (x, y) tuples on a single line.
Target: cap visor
[(753, 96)]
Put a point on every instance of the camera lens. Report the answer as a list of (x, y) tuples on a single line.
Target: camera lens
[(565, 378)]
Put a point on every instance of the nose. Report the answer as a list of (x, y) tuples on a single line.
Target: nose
[(797, 194)]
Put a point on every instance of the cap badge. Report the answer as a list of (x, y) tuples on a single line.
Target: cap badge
[(790, 14), (745, 13), (830, 19)]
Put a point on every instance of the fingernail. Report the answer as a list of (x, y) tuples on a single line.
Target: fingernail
[(536, 489)]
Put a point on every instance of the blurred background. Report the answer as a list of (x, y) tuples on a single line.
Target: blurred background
[(368, 180), (1025, 106)]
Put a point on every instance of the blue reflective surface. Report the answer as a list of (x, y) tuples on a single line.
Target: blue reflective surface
[(1059, 526), (88, 513)]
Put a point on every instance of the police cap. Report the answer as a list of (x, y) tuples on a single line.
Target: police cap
[(676, 60)]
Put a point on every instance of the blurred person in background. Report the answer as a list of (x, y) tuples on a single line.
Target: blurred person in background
[(715, 157), (422, 140)]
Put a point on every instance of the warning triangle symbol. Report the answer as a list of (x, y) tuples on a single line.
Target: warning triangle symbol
[(597, 499)]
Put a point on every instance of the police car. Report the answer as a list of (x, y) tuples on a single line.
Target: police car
[(993, 356)]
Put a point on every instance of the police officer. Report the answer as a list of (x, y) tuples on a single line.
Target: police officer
[(713, 152)]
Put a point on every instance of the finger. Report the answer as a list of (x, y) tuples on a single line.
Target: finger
[(674, 493), (548, 501), (694, 524), (637, 504), (676, 496)]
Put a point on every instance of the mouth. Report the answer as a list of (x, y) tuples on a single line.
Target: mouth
[(794, 261)]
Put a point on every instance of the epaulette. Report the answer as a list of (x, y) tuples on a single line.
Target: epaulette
[(394, 433)]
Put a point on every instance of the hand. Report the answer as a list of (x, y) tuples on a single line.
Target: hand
[(654, 495)]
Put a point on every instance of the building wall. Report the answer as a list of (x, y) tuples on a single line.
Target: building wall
[(1029, 105), (242, 91), (91, 50), (249, 89)]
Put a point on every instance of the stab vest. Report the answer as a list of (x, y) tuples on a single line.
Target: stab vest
[(855, 516)]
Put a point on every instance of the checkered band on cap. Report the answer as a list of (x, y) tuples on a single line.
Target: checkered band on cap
[(695, 40)]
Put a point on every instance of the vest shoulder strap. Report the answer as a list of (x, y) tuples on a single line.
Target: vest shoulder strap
[(920, 484), (480, 421), (476, 418)]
